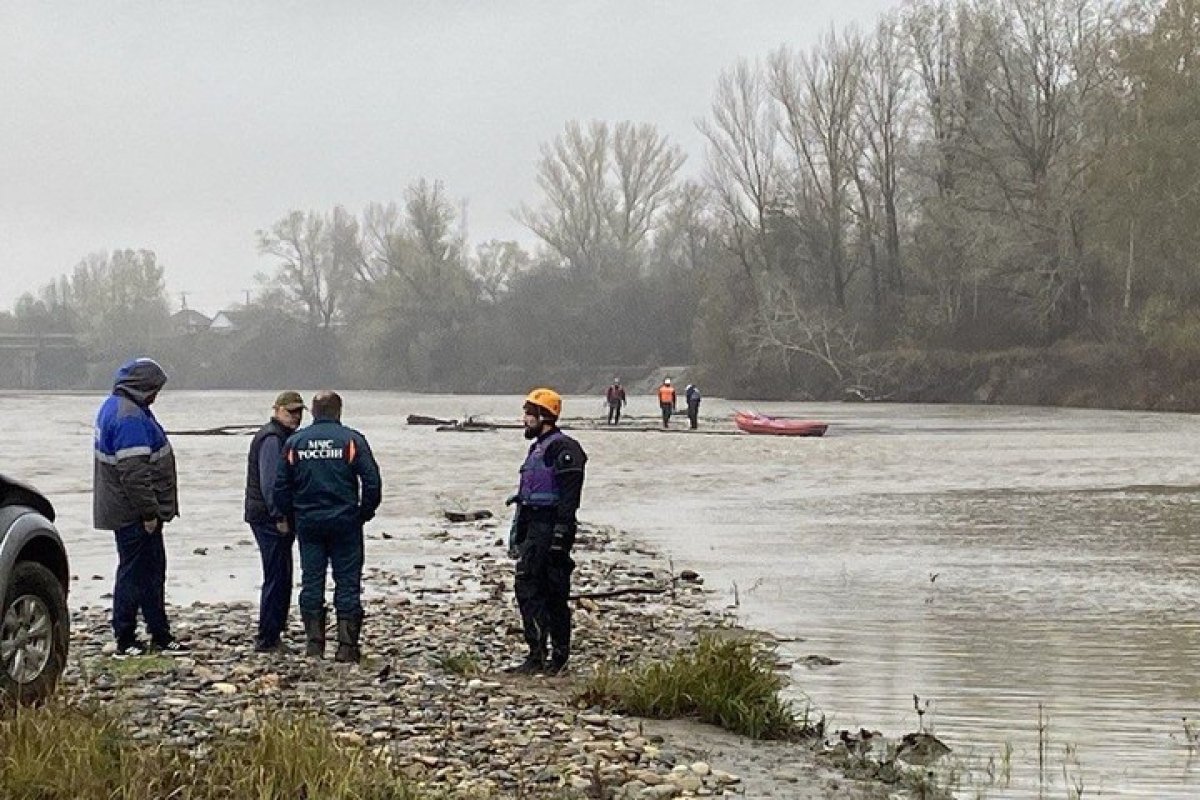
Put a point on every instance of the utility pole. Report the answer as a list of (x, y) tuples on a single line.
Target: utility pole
[(183, 301)]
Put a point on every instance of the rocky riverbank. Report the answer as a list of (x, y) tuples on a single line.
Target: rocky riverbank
[(432, 693)]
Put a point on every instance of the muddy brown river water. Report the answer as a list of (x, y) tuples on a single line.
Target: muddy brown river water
[(985, 559)]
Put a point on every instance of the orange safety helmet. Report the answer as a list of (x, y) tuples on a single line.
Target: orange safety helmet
[(547, 399)]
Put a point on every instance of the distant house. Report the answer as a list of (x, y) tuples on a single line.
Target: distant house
[(228, 321), (189, 321)]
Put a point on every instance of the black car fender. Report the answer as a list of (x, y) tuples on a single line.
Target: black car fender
[(27, 532)]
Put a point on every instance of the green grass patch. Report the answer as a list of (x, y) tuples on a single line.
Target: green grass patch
[(134, 666), (729, 683), (459, 663), (62, 752)]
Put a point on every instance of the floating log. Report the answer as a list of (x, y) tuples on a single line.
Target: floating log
[(473, 425), (464, 428), (421, 419), (222, 430)]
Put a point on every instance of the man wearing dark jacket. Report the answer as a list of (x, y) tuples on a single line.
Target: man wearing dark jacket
[(272, 529), (328, 482), (134, 495), (549, 494), (614, 396), (692, 395)]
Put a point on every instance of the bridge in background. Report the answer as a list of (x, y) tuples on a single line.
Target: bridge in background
[(27, 361)]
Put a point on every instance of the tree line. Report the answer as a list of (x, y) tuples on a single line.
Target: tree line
[(965, 177)]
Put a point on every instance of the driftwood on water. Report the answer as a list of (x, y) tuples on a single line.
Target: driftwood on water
[(221, 430), (421, 419), (473, 425), (629, 425)]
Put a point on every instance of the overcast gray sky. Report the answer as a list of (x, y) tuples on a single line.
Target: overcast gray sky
[(184, 127)]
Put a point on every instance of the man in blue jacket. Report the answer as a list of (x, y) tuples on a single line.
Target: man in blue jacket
[(134, 495), (329, 483), (271, 528)]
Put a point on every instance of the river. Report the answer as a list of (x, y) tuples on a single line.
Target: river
[(986, 559)]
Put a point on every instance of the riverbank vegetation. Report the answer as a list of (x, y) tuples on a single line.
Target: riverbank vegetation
[(65, 752), (917, 211), (732, 684)]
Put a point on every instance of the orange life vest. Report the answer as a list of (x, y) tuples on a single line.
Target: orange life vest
[(666, 394)]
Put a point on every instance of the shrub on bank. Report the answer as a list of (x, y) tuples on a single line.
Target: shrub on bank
[(730, 683), (61, 752)]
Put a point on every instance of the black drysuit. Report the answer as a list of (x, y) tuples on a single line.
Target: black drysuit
[(544, 539)]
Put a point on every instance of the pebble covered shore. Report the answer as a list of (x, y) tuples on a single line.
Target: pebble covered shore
[(431, 691)]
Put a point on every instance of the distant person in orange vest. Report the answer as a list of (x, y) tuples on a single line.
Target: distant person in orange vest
[(666, 401), (615, 397)]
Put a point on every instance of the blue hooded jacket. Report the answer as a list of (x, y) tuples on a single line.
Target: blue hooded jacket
[(134, 477)]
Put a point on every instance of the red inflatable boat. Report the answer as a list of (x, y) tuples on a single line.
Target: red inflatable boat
[(758, 423)]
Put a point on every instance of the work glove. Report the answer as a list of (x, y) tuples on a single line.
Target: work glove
[(514, 535), (512, 498), (562, 538)]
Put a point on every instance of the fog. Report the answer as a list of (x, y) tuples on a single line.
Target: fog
[(184, 128)]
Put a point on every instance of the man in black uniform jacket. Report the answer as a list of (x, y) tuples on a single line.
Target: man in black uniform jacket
[(329, 483), (549, 494)]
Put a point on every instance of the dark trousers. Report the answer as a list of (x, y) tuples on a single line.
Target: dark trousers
[(614, 413), (339, 548), (667, 411), (543, 589), (276, 551), (140, 582), (693, 415)]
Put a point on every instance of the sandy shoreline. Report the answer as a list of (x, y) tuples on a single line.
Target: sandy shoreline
[(479, 732)]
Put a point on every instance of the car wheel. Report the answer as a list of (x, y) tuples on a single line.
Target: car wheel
[(34, 628)]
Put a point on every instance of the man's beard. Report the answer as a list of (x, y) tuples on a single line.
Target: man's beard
[(531, 432)]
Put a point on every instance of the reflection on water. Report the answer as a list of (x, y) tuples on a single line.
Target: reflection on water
[(988, 559)]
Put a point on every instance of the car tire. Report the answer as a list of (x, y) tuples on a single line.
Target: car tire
[(34, 598)]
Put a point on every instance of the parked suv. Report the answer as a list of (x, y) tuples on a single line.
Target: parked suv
[(34, 622)]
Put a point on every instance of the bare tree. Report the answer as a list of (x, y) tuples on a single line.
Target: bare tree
[(819, 94), (579, 201), (743, 170), (604, 190), (309, 270), (884, 125), (1052, 66), (495, 264), (381, 232), (646, 165), (787, 325)]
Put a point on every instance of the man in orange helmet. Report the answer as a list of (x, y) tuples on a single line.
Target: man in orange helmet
[(549, 494)]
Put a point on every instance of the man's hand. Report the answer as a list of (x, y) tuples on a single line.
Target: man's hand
[(282, 526), (516, 535), (512, 498), (150, 525)]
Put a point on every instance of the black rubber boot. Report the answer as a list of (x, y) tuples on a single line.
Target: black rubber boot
[(534, 663), (558, 662), (314, 634), (349, 629)]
